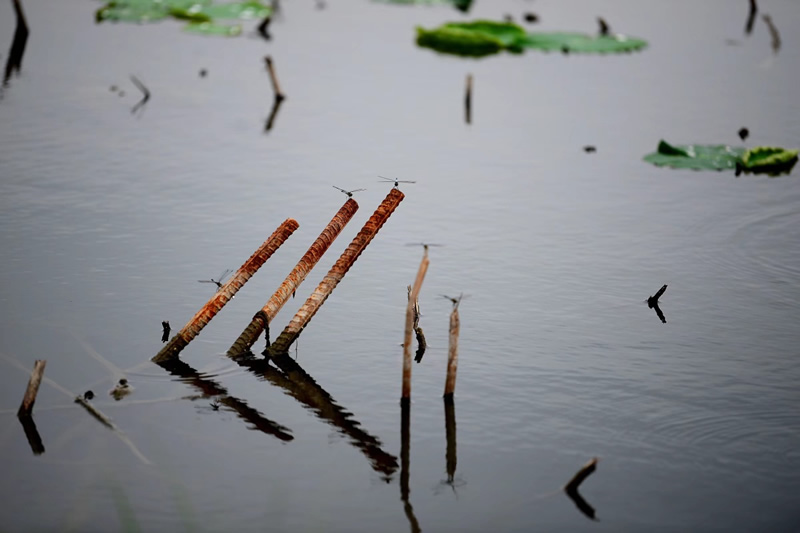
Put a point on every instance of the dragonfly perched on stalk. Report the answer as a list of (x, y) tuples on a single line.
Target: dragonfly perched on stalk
[(396, 181), (218, 282), (348, 193), (425, 245), (455, 301)]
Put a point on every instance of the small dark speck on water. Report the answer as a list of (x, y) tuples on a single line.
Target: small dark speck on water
[(203, 73), (744, 133), (589, 149), (531, 18), (509, 19), (113, 88), (121, 93)]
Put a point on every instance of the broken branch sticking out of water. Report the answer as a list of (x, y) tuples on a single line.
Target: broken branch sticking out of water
[(228, 290), (413, 297), (26, 407), (452, 354), (14, 61), (751, 18), (145, 94), (337, 272), (314, 253), (274, 78), (571, 488)]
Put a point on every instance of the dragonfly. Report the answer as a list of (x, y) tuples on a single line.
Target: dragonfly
[(425, 245), (455, 301), (348, 193), (218, 282), (396, 181)]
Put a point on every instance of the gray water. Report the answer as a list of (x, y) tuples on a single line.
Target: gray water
[(108, 219)]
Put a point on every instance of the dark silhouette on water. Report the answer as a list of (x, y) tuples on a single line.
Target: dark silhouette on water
[(652, 303), (165, 330), (348, 193), (531, 17), (405, 463), (589, 149), (605, 29), (751, 18), (14, 61), (744, 133), (145, 94), (263, 28), (773, 31), (273, 114)]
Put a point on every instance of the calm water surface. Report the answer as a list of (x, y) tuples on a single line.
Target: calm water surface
[(108, 220)]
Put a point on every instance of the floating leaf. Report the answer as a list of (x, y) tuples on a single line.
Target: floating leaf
[(696, 156), (583, 43), (209, 28), (189, 15), (237, 10), (486, 37), (771, 160)]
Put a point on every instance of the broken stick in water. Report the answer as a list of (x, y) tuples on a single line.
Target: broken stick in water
[(337, 272), (405, 394), (751, 18), (582, 474), (26, 407), (452, 356), (228, 290), (314, 253), (279, 96)]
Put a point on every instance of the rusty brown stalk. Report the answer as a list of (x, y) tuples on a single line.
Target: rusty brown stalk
[(279, 96), (226, 292), (294, 279), (452, 357), (337, 272)]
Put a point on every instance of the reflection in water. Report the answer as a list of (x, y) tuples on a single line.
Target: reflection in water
[(450, 434), (14, 62), (298, 384), (145, 95), (276, 104), (580, 503), (34, 439), (571, 488), (209, 387), (751, 18), (405, 448), (773, 32)]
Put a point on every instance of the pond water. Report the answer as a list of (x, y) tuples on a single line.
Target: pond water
[(109, 219)]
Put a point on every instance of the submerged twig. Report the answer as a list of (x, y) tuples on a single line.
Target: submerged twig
[(145, 94)]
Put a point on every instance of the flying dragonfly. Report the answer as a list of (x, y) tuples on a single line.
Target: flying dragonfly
[(218, 282), (455, 301), (348, 193), (396, 181)]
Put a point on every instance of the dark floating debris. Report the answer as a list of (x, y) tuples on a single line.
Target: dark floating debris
[(348, 193), (744, 133), (589, 149), (145, 94), (218, 282), (531, 18), (203, 73), (88, 395), (652, 303), (21, 32), (605, 29), (396, 181), (773, 31), (571, 488), (165, 330), (751, 18)]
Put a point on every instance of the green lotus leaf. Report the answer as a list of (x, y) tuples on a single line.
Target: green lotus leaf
[(209, 28), (582, 43), (771, 160), (696, 156), (237, 10), (124, 11), (189, 15), (472, 39)]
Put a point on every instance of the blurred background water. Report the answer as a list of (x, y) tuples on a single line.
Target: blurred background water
[(108, 219)]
